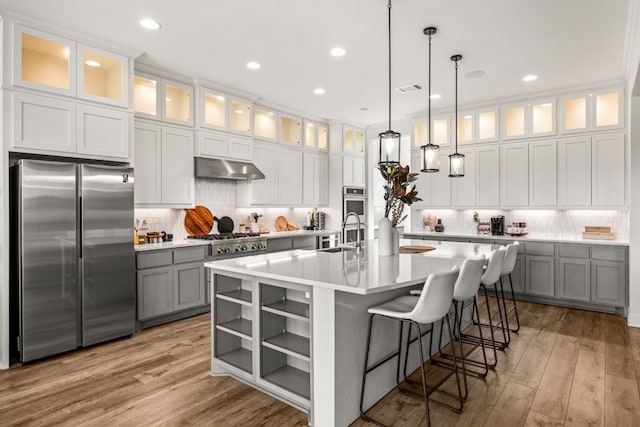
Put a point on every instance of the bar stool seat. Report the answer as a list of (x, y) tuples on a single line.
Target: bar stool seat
[(431, 306)]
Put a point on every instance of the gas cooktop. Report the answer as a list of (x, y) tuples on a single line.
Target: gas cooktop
[(234, 244), (223, 236)]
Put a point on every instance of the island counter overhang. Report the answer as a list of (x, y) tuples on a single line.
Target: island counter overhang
[(293, 324)]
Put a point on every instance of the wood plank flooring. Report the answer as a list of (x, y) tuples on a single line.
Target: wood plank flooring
[(566, 367)]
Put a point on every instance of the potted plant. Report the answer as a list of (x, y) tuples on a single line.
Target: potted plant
[(398, 192)]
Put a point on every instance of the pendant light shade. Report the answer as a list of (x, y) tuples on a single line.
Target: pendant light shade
[(430, 161), (456, 160), (389, 140)]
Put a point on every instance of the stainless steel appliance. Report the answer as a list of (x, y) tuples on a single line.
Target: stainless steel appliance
[(231, 245), (72, 266), (497, 225), (354, 199)]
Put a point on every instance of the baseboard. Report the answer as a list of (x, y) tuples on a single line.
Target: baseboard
[(633, 320), (3, 366)]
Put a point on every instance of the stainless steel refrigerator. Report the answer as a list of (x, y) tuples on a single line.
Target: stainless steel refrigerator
[(73, 274)]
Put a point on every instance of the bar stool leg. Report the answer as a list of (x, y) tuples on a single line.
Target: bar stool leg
[(515, 306), (364, 371), (424, 374), (455, 366), (484, 353), (504, 325)]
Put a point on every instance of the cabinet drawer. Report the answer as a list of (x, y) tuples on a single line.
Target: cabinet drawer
[(153, 259), (573, 251), (610, 253), (544, 249), (188, 254), (283, 244)]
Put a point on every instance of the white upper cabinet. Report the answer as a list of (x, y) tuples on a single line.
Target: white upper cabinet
[(353, 140), (282, 167), (423, 182), (240, 112), (103, 131), (529, 119), (265, 124), (514, 175), (54, 64), (479, 125), (488, 176), (463, 189), (353, 171), (574, 172), (433, 188), (486, 125), (316, 136), (465, 128), (420, 134), (290, 130), (441, 131), (595, 110), (220, 144), (608, 169), (160, 99), (542, 173), (315, 179), (220, 111)]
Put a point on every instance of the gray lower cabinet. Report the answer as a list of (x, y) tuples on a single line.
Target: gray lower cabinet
[(517, 276), (540, 275), (170, 281), (287, 243), (608, 282), (574, 279), (155, 292)]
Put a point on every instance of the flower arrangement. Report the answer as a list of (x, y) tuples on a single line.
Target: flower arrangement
[(398, 191)]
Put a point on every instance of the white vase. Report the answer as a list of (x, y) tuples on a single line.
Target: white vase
[(388, 238)]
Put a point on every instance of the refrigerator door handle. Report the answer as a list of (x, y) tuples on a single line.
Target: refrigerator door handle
[(80, 244)]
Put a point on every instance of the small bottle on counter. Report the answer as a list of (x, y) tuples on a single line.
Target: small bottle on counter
[(439, 226)]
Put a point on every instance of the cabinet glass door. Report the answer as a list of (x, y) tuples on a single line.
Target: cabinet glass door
[(607, 113), (348, 139), (465, 128), (575, 114), (514, 122), (145, 95), (543, 122), (101, 76), (215, 107), (420, 134), (177, 103), (264, 124), (310, 135), (323, 137), (359, 141), (440, 131), (487, 126), (290, 128), (240, 116), (45, 61)]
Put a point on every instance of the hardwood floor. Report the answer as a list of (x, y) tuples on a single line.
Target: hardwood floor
[(566, 367)]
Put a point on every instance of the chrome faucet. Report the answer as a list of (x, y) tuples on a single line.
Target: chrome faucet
[(344, 223)]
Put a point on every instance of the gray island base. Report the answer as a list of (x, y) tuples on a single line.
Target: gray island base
[(293, 324)]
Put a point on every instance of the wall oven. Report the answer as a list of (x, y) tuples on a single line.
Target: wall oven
[(354, 200), (351, 233)]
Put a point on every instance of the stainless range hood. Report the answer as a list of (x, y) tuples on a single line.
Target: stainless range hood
[(226, 169)]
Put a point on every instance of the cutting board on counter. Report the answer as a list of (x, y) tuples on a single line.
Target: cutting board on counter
[(198, 221), (415, 249)]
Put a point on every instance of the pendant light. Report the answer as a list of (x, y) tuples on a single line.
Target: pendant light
[(456, 160), (430, 152), (389, 140)]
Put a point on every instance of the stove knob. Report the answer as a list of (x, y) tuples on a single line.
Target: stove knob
[(220, 250), (253, 247), (237, 249), (243, 248), (261, 246), (227, 250)]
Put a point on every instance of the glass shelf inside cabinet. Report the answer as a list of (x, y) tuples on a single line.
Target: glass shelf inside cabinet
[(487, 125), (515, 121), (264, 124), (178, 103), (240, 116), (214, 109), (102, 76), (575, 113), (607, 109), (45, 62), (145, 98)]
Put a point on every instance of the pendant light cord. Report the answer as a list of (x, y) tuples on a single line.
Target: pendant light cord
[(389, 7), (456, 114), (429, 96)]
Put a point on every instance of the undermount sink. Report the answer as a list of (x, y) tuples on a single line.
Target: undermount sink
[(339, 249)]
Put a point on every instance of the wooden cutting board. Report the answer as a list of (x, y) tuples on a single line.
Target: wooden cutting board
[(415, 249), (281, 223), (198, 221)]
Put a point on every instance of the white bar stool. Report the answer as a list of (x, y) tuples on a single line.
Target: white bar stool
[(431, 306), (508, 265)]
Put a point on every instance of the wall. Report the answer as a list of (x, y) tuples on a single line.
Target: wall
[(219, 195)]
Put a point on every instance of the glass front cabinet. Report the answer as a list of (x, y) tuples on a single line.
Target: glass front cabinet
[(160, 99), (595, 110), (54, 64), (316, 136), (529, 119), (220, 111)]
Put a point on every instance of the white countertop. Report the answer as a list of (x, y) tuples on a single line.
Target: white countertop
[(359, 273), (299, 233), (170, 245), (531, 237)]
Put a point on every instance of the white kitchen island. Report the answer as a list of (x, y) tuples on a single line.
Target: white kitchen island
[(294, 323)]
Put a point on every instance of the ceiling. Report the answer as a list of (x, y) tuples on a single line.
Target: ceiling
[(566, 43)]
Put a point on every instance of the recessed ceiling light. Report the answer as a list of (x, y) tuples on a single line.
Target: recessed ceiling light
[(149, 24), (92, 63), (474, 74), (338, 51), (319, 91), (253, 65), (435, 96), (529, 78)]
